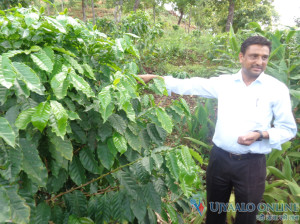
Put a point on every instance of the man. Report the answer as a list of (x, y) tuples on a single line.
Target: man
[(254, 116)]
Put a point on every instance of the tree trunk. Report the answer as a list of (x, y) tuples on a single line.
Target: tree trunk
[(136, 5), (118, 11), (154, 12), (93, 11), (189, 23), (230, 15), (62, 5), (83, 11), (180, 17), (48, 9)]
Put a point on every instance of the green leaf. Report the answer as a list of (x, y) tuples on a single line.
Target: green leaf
[(105, 156), (12, 159), (20, 211), (104, 131), (172, 164), (3, 94), (199, 142), (139, 208), (24, 118), (183, 104), (7, 133), (129, 183), (63, 146), (106, 112), (83, 220), (116, 204), (80, 84), (41, 115), (106, 106), (89, 72), (276, 172), (233, 41), (76, 203), (74, 63), (118, 123), (160, 187), (294, 188), (294, 154), (186, 157), (62, 50), (5, 213), (79, 133), (7, 74), (164, 119), (295, 93), (58, 118), (42, 60), (32, 163), (145, 139), (153, 133), (287, 169), (152, 197), (120, 143), (60, 84), (43, 213), (127, 107), (88, 160), (159, 87), (72, 115), (30, 78), (77, 171), (133, 140), (147, 164), (196, 156), (55, 24), (172, 213), (158, 159), (21, 88)]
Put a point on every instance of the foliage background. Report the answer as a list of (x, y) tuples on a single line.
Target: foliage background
[(83, 142)]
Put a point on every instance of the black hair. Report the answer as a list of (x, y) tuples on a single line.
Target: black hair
[(255, 40)]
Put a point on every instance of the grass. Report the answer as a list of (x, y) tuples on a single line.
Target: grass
[(179, 51)]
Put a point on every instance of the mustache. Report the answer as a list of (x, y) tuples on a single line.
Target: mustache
[(256, 66)]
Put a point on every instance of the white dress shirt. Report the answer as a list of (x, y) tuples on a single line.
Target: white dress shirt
[(242, 109)]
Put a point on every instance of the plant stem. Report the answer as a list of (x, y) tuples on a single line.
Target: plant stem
[(91, 181)]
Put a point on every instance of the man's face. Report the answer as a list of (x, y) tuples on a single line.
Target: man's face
[(255, 60)]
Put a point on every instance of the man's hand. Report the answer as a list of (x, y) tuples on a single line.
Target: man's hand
[(249, 138), (148, 77)]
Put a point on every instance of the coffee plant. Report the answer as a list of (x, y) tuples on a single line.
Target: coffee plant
[(79, 143)]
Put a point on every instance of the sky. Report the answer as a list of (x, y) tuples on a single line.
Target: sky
[(288, 10)]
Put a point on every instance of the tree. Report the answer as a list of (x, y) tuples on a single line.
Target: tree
[(230, 15), (83, 11), (238, 13), (136, 5), (181, 6), (93, 11), (5, 4)]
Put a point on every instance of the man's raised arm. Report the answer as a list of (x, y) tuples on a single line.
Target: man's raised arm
[(148, 77)]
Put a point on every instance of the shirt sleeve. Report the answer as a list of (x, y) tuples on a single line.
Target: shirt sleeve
[(207, 88), (284, 123)]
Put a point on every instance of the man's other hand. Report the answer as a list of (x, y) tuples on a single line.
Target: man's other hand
[(249, 138)]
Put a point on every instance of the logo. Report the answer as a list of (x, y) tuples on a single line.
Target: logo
[(200, 206)]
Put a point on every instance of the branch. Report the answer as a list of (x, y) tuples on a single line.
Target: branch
[(92, 181)]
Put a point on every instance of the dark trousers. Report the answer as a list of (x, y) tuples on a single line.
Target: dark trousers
[(244, 173)]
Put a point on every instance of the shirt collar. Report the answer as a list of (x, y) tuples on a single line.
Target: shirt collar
[(238, 77)]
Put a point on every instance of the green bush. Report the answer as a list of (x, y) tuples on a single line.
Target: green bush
[(77, 141)]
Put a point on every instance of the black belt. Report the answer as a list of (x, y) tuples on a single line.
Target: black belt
[(239, 156)]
